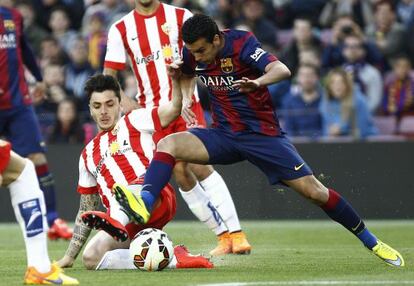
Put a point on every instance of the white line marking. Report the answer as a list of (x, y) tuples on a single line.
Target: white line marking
[(335, 282)]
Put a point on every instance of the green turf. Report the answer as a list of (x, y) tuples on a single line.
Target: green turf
[(282, 251)]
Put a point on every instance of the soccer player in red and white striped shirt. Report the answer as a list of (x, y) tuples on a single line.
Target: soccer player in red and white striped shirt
[(119, 154), (150, 37)]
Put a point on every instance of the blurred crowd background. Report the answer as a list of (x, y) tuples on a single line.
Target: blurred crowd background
[(351, 62)]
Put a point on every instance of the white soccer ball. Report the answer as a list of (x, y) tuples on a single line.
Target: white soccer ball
[(151, 249)]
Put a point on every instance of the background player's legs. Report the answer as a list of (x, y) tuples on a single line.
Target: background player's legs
[(28, 204), (30, 144), (216, 188), (197, 199)]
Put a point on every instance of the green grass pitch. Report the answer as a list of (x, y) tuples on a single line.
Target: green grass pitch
[(284, 253)]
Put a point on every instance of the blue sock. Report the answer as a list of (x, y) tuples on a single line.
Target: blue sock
[(47, 185), (338, 209), (157, 176)]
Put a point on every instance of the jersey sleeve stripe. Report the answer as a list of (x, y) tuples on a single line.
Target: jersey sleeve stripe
[(135, 141), (88, 190), (114, 65)]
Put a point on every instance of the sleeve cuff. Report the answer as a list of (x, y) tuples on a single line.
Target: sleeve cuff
[(114, 65), (88, 190), (156, 119)]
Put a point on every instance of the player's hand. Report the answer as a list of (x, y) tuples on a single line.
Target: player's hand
[(39, 91), (187, 114), (246, 85), (65, 262), (174, 69)]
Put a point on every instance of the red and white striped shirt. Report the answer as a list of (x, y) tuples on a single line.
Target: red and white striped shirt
[(121, 155), (151, 42)]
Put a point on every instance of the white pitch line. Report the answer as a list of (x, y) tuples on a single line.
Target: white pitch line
[(333, 282)]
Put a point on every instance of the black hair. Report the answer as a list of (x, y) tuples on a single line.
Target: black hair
[(100, 83), (199, 26)]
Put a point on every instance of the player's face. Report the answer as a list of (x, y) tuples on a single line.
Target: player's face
[(204, 51), (105, 109)]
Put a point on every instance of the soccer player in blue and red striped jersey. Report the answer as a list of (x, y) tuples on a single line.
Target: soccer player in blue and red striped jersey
[(18, 122), (236, 71)]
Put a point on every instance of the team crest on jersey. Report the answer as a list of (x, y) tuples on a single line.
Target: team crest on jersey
[(9, 25), (226, 65), (166, 28), (114, 147)]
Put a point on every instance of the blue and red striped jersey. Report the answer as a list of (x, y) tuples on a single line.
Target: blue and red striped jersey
[(241, 56), (13, 87)]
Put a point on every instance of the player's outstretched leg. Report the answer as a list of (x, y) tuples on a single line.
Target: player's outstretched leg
[(339, 210), (101, 221)]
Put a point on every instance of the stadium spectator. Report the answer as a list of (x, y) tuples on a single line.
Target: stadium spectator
[(67, 127), (225, 11), (112, 10), (19, 176), (303, 39), (344, 109), (52, 53), (310, 57), (253, 16), (18, 122), (307, 8), (388, 35), (332, 54), (43, 10), (302, 106), (201, 187), (360, 10), (399, 89), (96, 38), (365, 76), (78, 71), (34, 33), (405, 12), (59, 24)]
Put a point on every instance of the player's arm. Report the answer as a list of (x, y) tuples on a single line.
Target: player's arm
[(170, 111), (88, 202), (274, 72), (188, 85), (29, 60)]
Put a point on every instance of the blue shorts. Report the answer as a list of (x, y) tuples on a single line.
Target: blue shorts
[(20, 126), (274, 155)]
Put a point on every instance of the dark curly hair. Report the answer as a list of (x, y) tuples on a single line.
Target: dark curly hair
[(199, 26), (100, 83)]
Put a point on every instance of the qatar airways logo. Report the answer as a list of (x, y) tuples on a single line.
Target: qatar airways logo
[(7, 41), (223, 83)]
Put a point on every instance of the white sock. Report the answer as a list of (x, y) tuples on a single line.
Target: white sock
[(201, 206), (116, 259), (120, 259), (116, 212), (29, 208), (219, 194)]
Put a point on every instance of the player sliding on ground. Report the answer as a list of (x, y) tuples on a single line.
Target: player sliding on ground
[(19, 176), (120, 154), (236, 71)]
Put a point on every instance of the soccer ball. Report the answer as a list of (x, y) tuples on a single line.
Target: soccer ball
[(151, 250)]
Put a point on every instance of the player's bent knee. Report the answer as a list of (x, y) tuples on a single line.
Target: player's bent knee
[(37, 158), (90, 258), (166, 145)]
